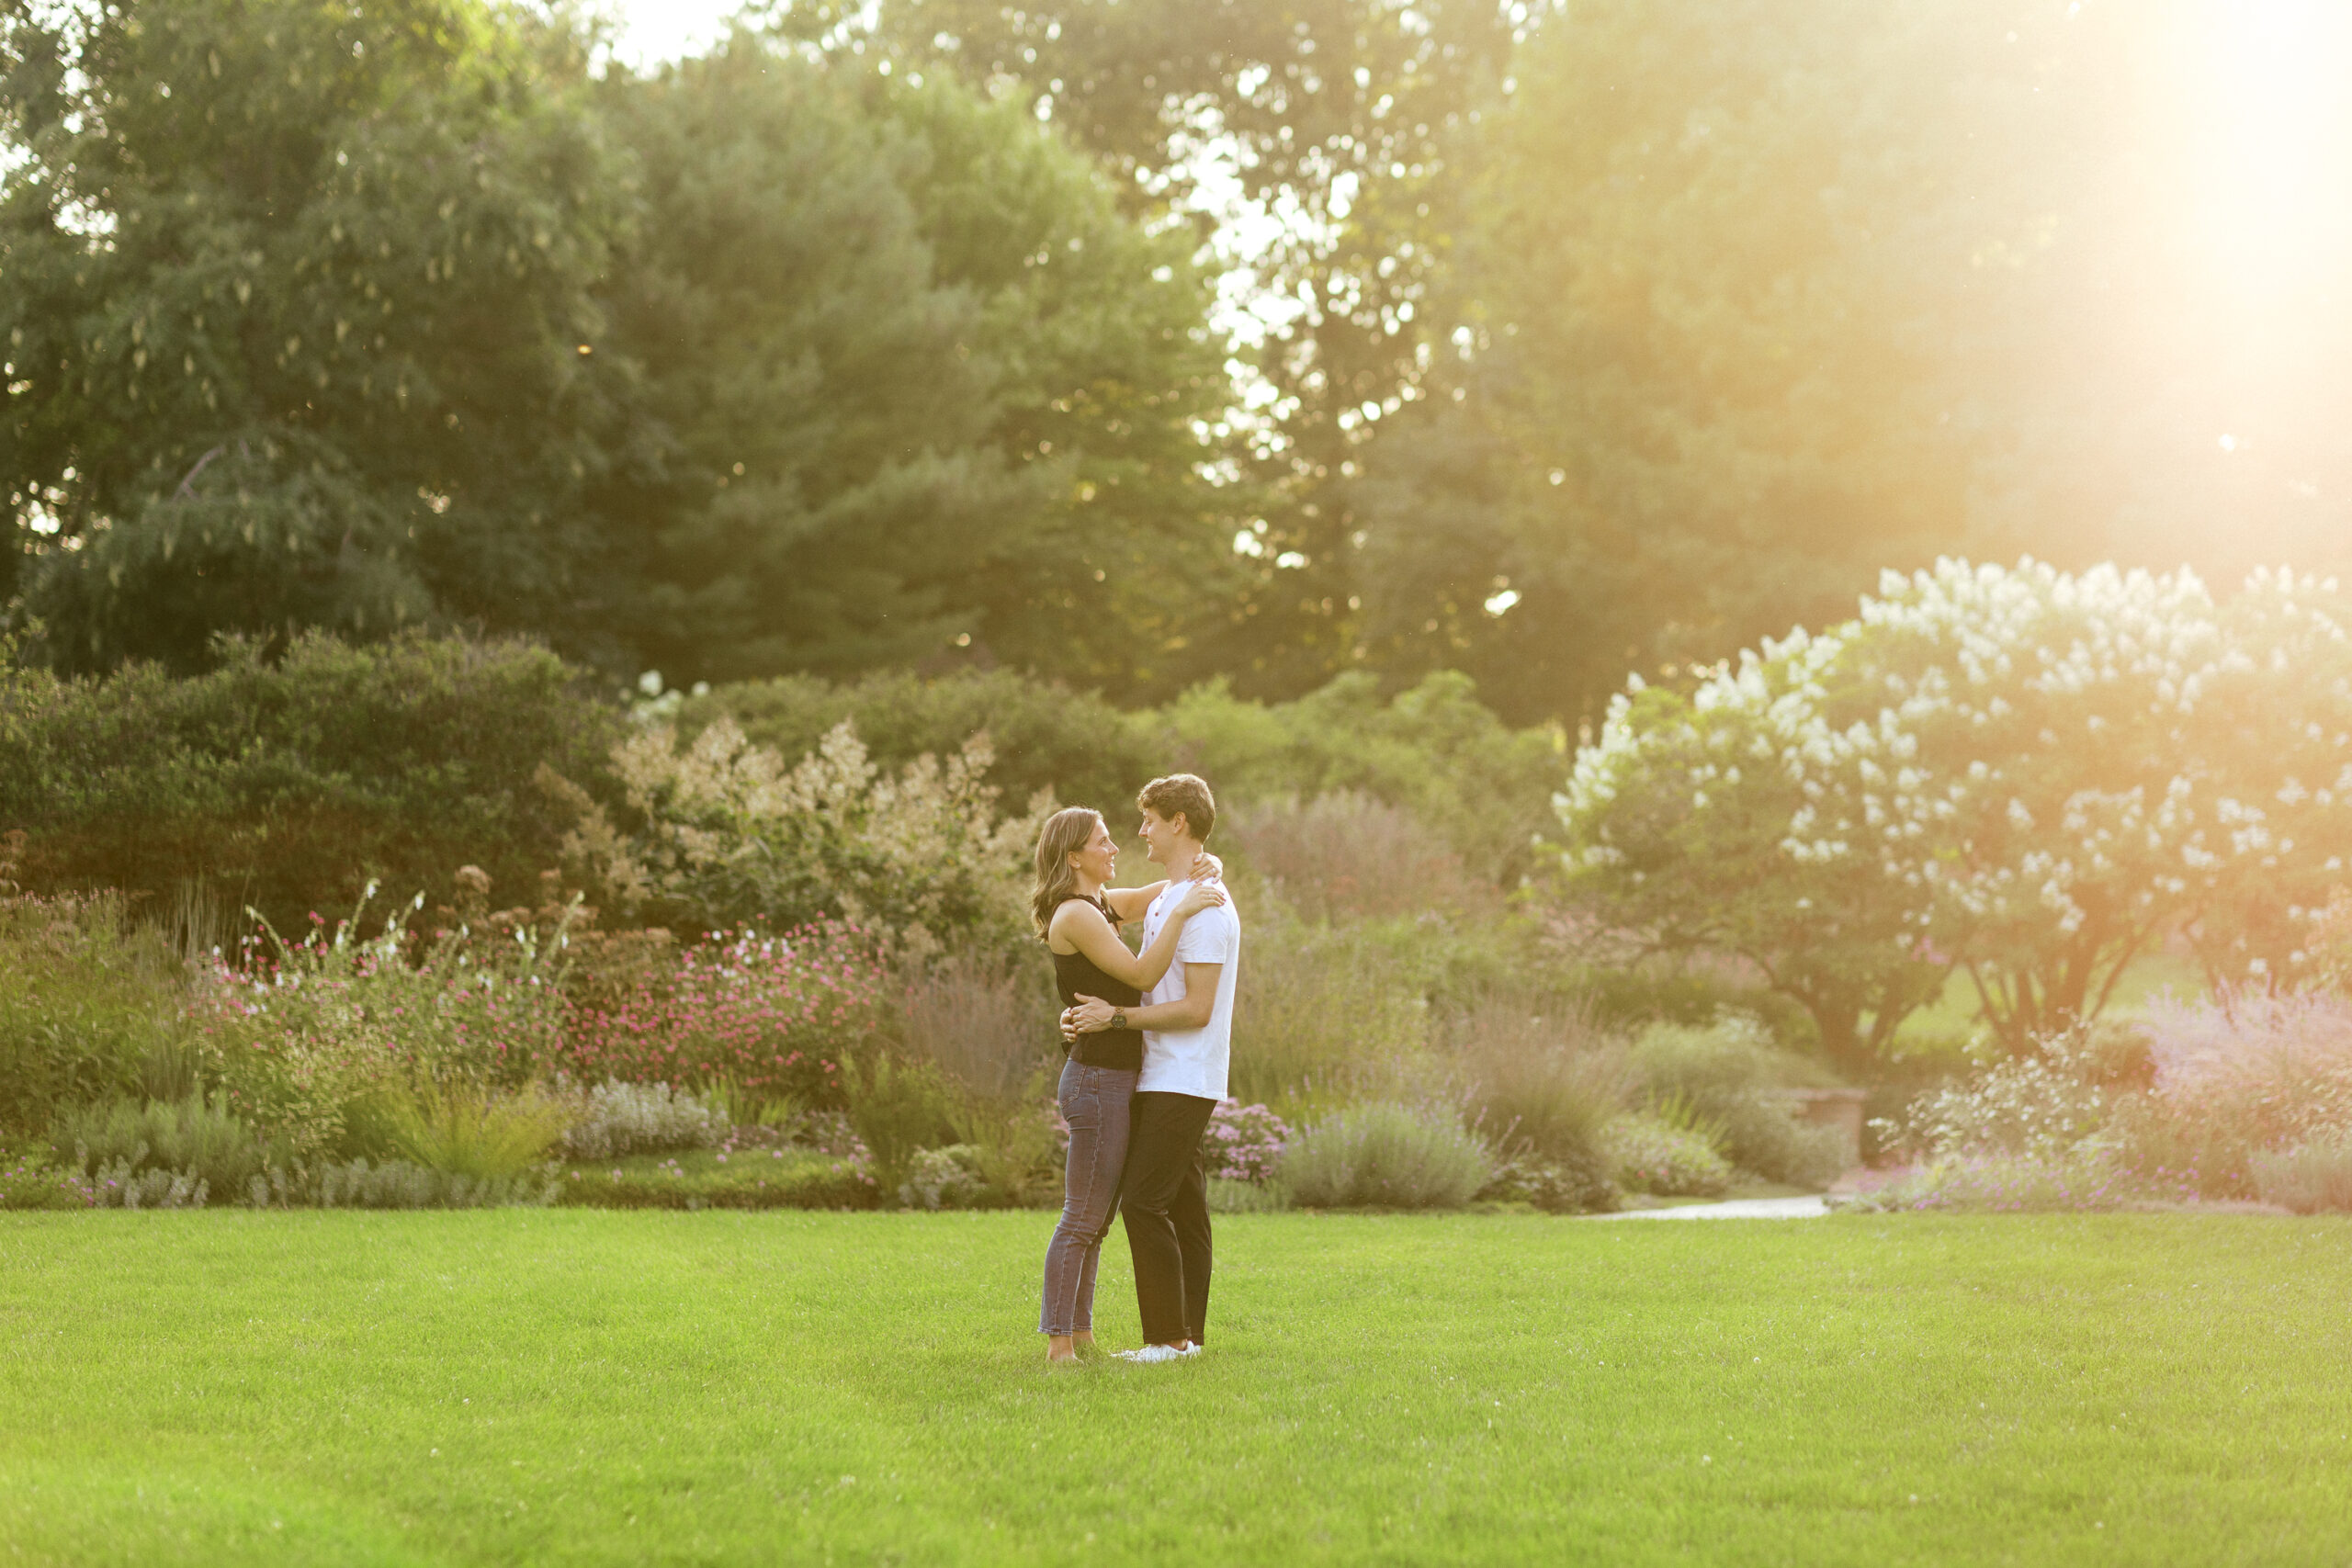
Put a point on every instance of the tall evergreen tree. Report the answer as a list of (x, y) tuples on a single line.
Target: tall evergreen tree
[(932, 390)]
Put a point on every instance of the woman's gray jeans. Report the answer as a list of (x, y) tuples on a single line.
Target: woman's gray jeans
[(1095, 1103)]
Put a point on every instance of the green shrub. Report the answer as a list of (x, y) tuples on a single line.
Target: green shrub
[(1044, 736), (2314, 1179), (1432, 750), (1015, 1147), (199, 1138), (477, 1133), (284, 782), (948, 1177), (1727, 1073), (1579, 1186), (1538, 1086), (89, 1008), (898, 1110), (1320, 1015), (1651, 1155), (1386, 1157)]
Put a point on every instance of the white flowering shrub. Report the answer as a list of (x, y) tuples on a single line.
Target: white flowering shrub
[(2042, 1106), (722, 831), (2030, 775), (2278, 737)]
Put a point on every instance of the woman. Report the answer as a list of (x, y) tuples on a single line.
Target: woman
[(1076, 860)]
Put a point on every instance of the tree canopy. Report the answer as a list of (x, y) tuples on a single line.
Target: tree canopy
[(353, 321), (1750, 302), (904, 335), (296, 305)]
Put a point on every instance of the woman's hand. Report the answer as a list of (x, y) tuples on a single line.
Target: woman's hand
[(1200, 895), (1091, 1016)]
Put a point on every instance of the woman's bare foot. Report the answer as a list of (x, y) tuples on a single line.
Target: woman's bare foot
[(1059, 1348)]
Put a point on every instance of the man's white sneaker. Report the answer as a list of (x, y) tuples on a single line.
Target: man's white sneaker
[(1192, 1348), (1151, 1354)]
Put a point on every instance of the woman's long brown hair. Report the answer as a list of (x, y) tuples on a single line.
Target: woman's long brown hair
[(1065, 832)]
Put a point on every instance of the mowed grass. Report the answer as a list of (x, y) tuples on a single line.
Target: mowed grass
[(582, 1387)]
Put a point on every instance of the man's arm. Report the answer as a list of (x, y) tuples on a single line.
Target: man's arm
[(1190, 1011)]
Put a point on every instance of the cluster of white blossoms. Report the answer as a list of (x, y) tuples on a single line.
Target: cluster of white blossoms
[(2014, 766)]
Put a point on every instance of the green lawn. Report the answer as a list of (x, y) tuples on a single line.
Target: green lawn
[(567, 1386)]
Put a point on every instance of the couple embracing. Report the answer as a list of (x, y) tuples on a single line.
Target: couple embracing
[(1150, 1035)]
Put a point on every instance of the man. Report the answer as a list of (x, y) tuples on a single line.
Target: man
[(1187, 1023)]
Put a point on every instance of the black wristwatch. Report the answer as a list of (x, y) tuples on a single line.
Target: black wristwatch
[(1119, 1018)]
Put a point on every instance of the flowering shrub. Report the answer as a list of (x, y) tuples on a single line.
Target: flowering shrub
[(2038, 1106), (1652, 1157), (2028, 774), (773, 1016), (305, 1034), (2225, 1099), (29, 1180), (724, 832), (1243, 1142)]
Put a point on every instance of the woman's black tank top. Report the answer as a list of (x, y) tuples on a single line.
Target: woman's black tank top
[(1074, 973)]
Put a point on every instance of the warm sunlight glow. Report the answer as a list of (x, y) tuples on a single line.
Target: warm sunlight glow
[(2263, 91)]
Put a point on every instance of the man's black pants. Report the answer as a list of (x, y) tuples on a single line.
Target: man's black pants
[(1165, 1198)]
